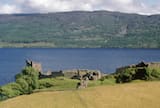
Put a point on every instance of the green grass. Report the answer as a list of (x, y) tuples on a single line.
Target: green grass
[(62, 83), (59, 83), (109, 81)]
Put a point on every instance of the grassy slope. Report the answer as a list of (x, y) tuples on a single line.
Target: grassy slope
[(135, 95), (61, 83)]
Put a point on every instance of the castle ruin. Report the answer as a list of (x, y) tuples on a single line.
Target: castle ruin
[(35, 65), (73, 74)]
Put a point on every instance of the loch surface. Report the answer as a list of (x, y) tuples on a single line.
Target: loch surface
[(12, 60)]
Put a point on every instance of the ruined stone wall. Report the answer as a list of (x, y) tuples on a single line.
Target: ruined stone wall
[(34, 65), (57, 74), (77, 73), (154, 65), (37, 66)]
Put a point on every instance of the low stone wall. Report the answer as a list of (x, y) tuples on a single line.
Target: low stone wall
[(51, 74)]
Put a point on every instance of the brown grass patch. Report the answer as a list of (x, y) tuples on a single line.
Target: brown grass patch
[(134, 95)]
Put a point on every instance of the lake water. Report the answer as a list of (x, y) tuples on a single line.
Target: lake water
[(12, 60)]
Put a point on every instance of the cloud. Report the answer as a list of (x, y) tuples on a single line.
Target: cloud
[(7, 9), (43, 6), (54, 5)]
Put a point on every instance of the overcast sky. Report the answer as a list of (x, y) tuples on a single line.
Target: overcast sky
[(43, 6)]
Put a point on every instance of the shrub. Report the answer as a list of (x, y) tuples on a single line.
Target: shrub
[(102, 79), (137, 73), (126, 75), (45, 84), (10, 90), (155, 73)]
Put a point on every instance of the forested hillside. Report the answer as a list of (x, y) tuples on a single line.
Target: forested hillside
[(80, 29)]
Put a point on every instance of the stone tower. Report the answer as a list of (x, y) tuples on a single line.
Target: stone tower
[(34, 65)]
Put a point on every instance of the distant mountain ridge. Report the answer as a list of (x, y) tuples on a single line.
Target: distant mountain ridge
[(80, 29)]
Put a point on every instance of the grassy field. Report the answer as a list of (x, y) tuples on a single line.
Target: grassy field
[(133, 95), (27, 45)]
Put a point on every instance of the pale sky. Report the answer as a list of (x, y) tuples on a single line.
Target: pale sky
[(44, 6)]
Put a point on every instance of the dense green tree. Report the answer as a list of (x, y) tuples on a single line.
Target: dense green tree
[(24, 85), (28, 79)]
